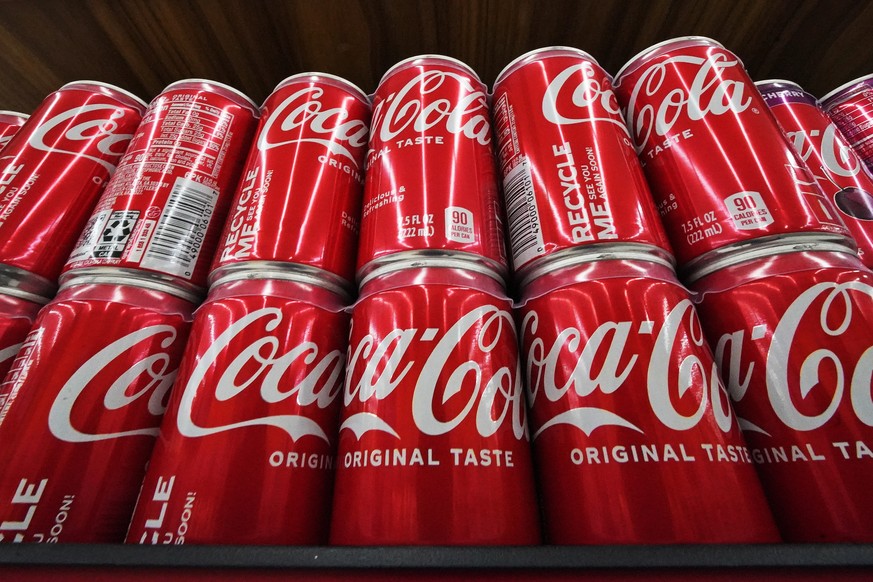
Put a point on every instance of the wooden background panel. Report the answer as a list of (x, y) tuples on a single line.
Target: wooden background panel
[(143, 45)]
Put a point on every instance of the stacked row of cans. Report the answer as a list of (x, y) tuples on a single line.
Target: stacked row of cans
[(636, 439), (763, 242), (630, 421), (84, 396)]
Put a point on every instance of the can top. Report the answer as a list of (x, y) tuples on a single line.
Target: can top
[(231, 93), (844, 90), (540, 54), (25, 285), (14, 114), (424, 59), (765, 248), (777, 82), (606, 252), (107, 89), (122, 276), (324, 78), (280, 271), (427, 262), (661, 48)]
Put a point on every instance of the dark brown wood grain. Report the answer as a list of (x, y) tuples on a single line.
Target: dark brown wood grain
[(143, 45)]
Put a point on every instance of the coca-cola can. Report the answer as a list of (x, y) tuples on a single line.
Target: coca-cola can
[(722, 172), (10, 124), (81, 408), (246, 450), (571, 177), (634, 437), (431, 187), (299, 197), (53, 171), (164, 208), (433, 445), (16, 318), (791, 333), (851, 108)]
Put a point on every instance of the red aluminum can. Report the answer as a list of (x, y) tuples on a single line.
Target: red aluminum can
[(791, 333), (836, 167), (299, 198), (433, 446), (634, 437), (246, 450), (431, 187), (10, 123), (163, 210), (16, 318), (722, 172), (571, 177), (82, 409), (53, 170), (851, 108)]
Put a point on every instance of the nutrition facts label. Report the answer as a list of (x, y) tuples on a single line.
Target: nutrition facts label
[(188, 135)]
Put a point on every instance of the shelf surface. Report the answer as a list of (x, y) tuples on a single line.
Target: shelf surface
[(828, 556)]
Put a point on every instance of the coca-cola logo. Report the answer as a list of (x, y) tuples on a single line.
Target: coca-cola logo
[(797, 367), (655, 108), (152, 375), (379, 364), (434, 99), (579, 95), (679, 366), (95, 125), (303, 117), (262, 366), (835, 153)]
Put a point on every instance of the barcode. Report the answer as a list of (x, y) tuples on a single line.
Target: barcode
[(525, 231), (179, 235)]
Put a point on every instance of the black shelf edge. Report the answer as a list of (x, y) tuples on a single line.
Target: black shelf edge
[(541, 557)]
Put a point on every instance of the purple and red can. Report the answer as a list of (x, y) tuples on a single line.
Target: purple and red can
[(722, 172), (10, 124), (52, 173), (836, 167), (634, 437), (433, 446), (851, 108), (299, 198), (571, 177), (790, 330), (431, 187), (164, 209), (82, 404), (246, 450)]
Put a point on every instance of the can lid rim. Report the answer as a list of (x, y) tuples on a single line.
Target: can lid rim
[(452, 60), (777, 81), (280, 270), (105, 85), (430, 262), (594, 253), (354, 88), (655, 48), (247, 100), (15, 113), (560, 50), (844, 87), (757, 249), (126, 276)]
